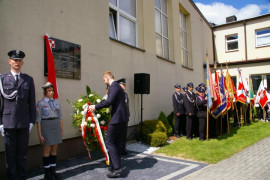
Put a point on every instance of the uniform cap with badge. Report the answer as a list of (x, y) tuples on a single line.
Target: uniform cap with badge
[(178, 86), (185, 88), (16, 55), (201, 90), (47, 85), (121, 81), (190, 84)]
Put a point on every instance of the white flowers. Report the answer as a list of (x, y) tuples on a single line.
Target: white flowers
[(92, 125), (98, 100), (102, 122), (84, 123), (107, 111), (89, 118), (105, 97), (85, 106), (91, 95), (82, 112), (80, 100), (98, 116)]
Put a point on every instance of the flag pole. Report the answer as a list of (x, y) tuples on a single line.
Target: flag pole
[(241, 114), (250, 113), (207, 124), (228, 122)]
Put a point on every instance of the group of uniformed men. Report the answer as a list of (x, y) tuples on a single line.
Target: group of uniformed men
[(190, 111)]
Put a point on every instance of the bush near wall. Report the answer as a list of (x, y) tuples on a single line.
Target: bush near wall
[(153, 132), (165, 121), (157, 139), (171, 120)]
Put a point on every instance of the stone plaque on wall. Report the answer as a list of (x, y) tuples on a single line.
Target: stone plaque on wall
[(67, 59)]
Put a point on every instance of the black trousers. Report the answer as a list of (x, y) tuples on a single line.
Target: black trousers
[(124, 138), (202, 125), (189, 121), (113, 143), (16, 147), (179, 123)]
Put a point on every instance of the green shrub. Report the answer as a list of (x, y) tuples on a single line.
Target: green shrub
[(152, 126), (171, 120), (165, 121), (157, 139)]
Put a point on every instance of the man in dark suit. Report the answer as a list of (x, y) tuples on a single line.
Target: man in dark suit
[(17, 116), (122, 83), (189, 104), (179, 111), (119, 116), (201, 101)]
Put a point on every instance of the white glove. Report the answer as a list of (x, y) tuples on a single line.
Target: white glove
[(30, 127), (2, 130)]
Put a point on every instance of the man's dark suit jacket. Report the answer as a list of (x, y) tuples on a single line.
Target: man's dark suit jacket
[(178, 103), (20, 111), (116, 101), (189, 103)]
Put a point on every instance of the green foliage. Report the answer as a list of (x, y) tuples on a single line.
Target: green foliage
[(171, 120), (103, 116), (165, 121), (215, 150), (157, 139)]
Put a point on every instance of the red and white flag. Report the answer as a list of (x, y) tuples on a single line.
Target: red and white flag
[(261, 95), (241, 91), (50, 64)]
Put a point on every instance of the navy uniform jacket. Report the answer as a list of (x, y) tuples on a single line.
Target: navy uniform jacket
[(116, 101), (202, 107), (189, 103), (178, 103), (20, 111)]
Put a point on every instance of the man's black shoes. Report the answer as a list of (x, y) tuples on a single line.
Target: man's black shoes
[(115, 173)]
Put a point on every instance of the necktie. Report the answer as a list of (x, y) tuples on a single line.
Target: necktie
[(16, 80), (51, 105)]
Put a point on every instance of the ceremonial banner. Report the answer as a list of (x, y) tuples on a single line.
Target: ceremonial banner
[(217, 101), (251, 93), (230, 88), (221, 104), (209, 86), (241, 92), (50, 65), (261, 95)]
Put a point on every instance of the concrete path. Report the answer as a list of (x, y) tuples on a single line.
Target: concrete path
[(252, 163)]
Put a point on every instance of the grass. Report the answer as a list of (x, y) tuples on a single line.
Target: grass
[(215, 150)]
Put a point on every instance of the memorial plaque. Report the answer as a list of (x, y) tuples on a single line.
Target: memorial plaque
[(67, 59)]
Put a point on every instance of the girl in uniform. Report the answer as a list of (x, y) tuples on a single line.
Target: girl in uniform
[(50, 129)]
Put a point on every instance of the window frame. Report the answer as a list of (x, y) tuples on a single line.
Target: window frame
[(230, 41), (129, 17), (263, 35), (185, 61), (162, 31)]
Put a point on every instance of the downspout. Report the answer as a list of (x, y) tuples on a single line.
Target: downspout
[(214, 45), (245, 34)]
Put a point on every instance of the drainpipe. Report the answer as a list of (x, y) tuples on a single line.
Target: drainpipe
[(245, 34)]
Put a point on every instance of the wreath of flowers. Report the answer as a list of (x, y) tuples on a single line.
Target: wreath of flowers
[(81, 120)]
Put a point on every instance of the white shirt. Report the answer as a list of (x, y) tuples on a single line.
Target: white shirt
[(14, 75)]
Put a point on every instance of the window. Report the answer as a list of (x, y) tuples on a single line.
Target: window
[(232, 42), (161, 19), (263, 37), (123, 22), (184, 40)]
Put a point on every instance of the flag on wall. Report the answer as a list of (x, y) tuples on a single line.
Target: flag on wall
[(50, 65), (241, 92), (261, 95)]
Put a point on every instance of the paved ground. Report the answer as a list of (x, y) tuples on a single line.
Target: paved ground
[(251, 163)]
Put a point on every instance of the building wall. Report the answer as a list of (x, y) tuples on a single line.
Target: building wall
[(84, 22), (252, 51)]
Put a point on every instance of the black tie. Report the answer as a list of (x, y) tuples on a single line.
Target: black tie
[(16, 80)]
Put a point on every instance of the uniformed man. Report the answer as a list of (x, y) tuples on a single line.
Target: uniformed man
[(179, 112), (185, 89), (122, 83), (17, 116), (201, 102), (189, 104)]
